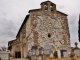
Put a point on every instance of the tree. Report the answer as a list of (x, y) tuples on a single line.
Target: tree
[(3, 48)]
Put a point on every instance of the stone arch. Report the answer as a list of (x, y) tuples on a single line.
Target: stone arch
[(45, 7)]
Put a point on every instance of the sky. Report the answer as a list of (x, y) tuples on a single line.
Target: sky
[(13, 12)]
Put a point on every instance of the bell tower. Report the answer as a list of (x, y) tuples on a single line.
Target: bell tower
[(48, 6)]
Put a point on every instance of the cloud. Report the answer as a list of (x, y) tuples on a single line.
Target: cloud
[(7, 28), (73, 20), (60, 7), (7, 31)]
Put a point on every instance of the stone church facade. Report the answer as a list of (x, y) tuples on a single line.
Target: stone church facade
[(44, 26)]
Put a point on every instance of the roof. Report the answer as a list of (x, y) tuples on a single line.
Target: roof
[(26, 18), (11, 41), (76, 48), (62, 13), (34, 10), (46, 1)]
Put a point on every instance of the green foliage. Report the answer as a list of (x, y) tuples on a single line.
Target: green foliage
[(9, 59)]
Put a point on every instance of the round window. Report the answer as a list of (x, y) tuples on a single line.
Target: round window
[(49, 35)]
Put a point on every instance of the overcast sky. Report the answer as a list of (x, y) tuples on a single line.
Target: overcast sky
[(13, 12)]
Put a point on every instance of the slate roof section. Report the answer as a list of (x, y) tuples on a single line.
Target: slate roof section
[(62, 13), (11, 41), (34, 10)]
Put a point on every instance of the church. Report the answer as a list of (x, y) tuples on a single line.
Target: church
[(42, 27)]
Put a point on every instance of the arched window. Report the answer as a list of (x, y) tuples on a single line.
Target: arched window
[(51, 8), (45, 7)]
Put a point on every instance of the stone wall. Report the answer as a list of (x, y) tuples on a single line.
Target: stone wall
[(4, 55), (49, 28), (16, 48)]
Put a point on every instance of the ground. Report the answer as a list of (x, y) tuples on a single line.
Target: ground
[(19, 59), (51, 59)]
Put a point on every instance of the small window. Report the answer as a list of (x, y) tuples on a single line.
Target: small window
[(51, 8), (45, 7), (49, 35)]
